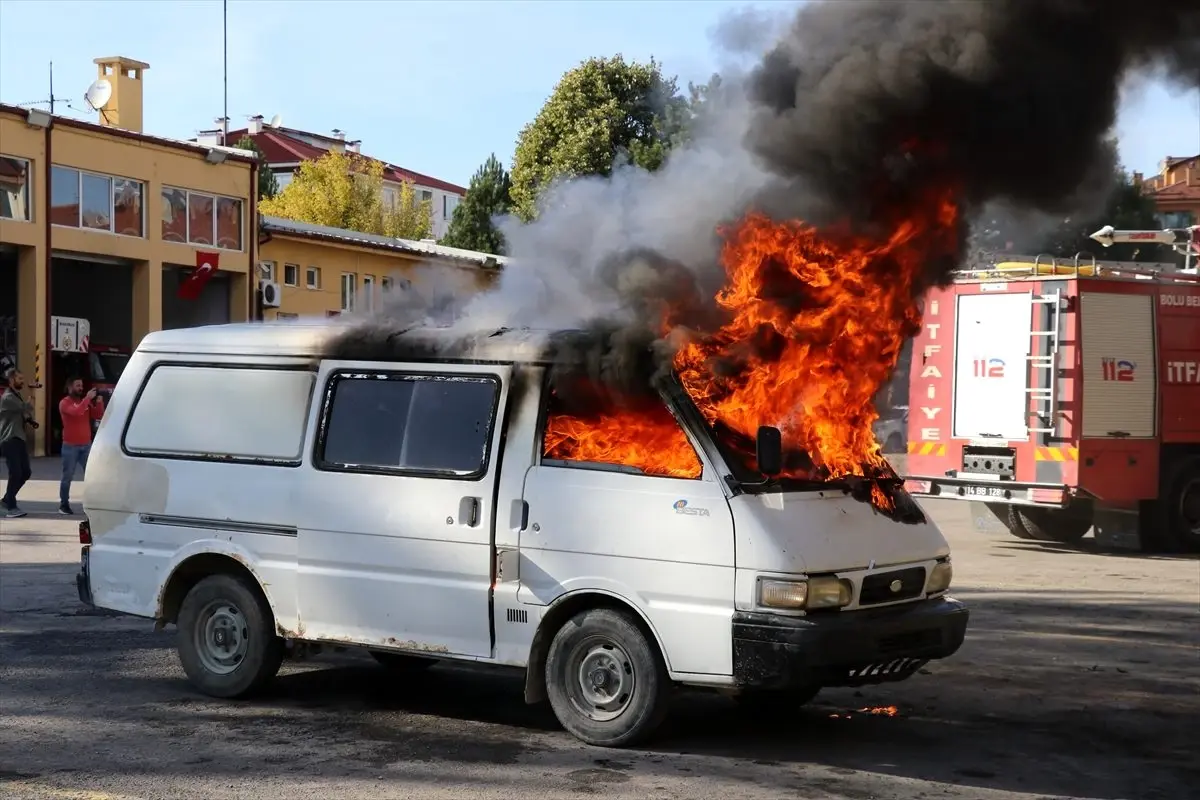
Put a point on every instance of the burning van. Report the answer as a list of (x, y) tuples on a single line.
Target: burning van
[(476, 500)]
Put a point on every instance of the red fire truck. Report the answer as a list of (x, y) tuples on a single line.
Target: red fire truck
[(1063, 396)]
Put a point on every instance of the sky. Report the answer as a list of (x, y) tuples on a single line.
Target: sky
[(432, 86)]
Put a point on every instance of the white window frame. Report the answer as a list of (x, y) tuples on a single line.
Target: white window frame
[(348, 288), (188, 217), (295, 281), (385, 284), (28, 189), (312, 277), (368, 292), (112, 197)]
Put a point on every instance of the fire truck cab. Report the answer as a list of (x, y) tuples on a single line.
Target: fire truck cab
[(1063, 396)]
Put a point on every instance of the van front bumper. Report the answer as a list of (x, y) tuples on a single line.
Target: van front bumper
[(847, 648), (83, 580)]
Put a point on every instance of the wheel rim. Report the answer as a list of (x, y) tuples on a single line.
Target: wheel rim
[(222, 637), (1189, 507), (601, 679)]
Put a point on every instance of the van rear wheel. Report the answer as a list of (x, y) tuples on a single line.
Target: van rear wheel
[(227, 642), (606, 680)]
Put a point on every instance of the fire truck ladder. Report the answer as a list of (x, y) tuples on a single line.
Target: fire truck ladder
[(1045, 397)]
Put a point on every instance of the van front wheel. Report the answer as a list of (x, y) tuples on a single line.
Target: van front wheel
[(606, 681), (227, 641)]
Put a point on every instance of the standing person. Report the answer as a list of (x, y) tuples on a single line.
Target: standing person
[(77, 410), (15, 413)]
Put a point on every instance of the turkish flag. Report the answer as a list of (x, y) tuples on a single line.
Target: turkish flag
[(206, 267)]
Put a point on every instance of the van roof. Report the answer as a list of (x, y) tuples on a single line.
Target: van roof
[(312, 339)]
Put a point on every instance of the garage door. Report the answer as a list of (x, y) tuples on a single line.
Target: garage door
[(210, 308)]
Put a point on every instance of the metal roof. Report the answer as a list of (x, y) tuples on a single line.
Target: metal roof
[(314, 338), (409, 247)]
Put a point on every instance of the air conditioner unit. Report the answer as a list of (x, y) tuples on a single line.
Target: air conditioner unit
[(270, 293)]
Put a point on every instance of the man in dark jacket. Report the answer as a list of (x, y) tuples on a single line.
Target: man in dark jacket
[(15, 413)]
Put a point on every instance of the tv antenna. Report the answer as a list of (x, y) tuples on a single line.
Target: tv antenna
[(98, 95)]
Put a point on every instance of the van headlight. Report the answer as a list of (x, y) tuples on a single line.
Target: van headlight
[(807, 595), (939, 577)]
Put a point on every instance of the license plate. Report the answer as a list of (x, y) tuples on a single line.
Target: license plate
[(984, 491)]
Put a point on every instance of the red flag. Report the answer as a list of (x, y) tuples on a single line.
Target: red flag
[(206, 267)]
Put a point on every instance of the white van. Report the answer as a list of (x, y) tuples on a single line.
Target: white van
[(267, 498)]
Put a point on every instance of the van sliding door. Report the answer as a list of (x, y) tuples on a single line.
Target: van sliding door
[(400, 503)]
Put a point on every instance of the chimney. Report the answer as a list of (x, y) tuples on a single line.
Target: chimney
[(124, 108), (209, 138), (256, 125), (354, 147), (1138, 179), (339, 139)]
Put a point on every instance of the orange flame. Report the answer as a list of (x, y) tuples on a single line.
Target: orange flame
[(815, 323)]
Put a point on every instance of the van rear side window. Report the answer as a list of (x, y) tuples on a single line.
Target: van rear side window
[(434, 425), (211, 412)]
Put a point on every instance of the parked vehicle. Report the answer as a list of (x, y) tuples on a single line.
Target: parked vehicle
[(268, 500), (1062, 397)]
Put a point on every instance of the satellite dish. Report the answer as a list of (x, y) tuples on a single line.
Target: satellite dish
[(98, 94), (276, 121)]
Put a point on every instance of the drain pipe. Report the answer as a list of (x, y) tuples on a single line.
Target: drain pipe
[(48, 168)]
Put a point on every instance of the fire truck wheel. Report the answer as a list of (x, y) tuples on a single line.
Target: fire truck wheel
[(1180, 509), (1004, 513), (1066, 525)]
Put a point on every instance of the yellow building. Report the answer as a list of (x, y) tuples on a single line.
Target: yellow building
[(103, 222), (312, 270)]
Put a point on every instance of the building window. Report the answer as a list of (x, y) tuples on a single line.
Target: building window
[(204, 219), (445, 205), (385, 284), (426, 196), (368, 293), (312, 277), (1176, 219), (266, 270), (348, 286), (389, 197), (433, 425), (97, 202), (291, 274), (14, 188)]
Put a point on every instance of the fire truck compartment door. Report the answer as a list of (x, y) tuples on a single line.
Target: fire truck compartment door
[(1119, 369), (991, 366)]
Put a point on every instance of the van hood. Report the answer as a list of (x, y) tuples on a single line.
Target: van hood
[(815, 532)]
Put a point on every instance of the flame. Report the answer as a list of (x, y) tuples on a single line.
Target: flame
[(815, 321)]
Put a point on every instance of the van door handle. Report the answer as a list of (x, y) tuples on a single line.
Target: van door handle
[(519, 517), (468, 511)]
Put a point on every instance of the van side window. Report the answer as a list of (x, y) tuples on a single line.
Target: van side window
[(211, 412), (585, 431), (435, 425)]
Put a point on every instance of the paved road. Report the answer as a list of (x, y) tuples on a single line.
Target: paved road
[(1079, 678)]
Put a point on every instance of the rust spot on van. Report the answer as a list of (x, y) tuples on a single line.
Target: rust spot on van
[(416, 647)]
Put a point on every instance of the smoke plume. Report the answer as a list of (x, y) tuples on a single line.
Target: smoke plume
[(855, 110)]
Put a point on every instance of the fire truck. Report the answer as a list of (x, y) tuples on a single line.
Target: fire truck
[(1062, 396)]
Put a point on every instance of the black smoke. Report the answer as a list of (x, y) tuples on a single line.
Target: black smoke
[(862, 106)]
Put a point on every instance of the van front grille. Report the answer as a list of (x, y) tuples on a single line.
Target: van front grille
[(889, 587)]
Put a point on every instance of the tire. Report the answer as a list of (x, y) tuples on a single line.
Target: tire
[(400, 662), (229, 609), (1064, 526), (605, 644), (1178, 519), (775, 702), (1004, 513)]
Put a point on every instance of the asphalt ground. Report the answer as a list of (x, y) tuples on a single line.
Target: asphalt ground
[(1080, 677)]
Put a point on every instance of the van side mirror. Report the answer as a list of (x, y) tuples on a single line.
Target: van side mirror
[(768, 450)]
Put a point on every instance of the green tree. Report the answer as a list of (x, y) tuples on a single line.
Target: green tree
[(603, 111), (471, 227), (268, 187), (345, 190)]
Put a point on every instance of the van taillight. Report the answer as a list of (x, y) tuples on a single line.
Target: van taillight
[(85, 532)]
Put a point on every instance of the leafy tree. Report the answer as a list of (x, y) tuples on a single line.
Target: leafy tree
[(471, 227), (603, 111), (268, 187), (345, 190)]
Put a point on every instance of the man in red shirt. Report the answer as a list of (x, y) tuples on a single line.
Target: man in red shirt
[(77, 410)]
